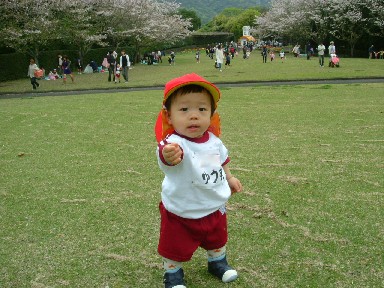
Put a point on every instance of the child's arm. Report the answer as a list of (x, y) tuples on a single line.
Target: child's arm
[(233, 182), (172, 153)]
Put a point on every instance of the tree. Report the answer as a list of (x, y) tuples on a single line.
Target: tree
[(346, 20), (28, 25), (82, 24), (232, 20), (349, 23), (144, 23), (191, 15)]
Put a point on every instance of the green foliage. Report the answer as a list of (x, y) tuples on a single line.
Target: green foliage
[(232, 20), (192, 15), (203, 39), (208, 9)]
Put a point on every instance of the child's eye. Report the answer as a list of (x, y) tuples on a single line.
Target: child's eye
[(184, 109), (203, 109)]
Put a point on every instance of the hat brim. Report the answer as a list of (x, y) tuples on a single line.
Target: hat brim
[(191, 79), (212, 89)]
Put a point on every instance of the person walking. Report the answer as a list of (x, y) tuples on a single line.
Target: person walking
[(320, 52), (67, 70), (371, 52), (124, 64), (308, 51), (31, 73), (219, 57)]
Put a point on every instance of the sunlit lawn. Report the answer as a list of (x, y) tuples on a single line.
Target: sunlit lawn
[(80, 186), (241, 70)]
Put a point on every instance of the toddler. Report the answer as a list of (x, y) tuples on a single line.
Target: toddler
[(117, 73), (197, 182)]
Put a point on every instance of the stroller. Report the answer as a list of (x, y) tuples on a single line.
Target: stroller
[(334, 61)]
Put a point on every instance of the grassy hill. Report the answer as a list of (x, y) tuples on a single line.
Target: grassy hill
[(207, 9)]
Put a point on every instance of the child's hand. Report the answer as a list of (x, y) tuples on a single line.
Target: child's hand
[(235, 185), (172, 153)]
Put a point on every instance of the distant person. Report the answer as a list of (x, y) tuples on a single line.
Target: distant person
[(309, 51), (60, 63), (124, 64), (159, 57), (173, 56), (219, 57), (331, 48), (371, 52), (282, 55), (227, 59), (197, 56), (53, 75), (232, 51), (272, 55), (31, 73), (320, 52), (264, 53), (111, 66), (79, 66), (296, 50), (66, 67), (117, 73)]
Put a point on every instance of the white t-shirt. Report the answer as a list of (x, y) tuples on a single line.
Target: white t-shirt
[(197, 186), (320, 49)]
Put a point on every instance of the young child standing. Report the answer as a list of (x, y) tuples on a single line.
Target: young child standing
[(117, 73), (282, 55), (197, 182)]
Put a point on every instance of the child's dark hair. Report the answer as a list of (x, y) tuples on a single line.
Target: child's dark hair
[(191, 88)]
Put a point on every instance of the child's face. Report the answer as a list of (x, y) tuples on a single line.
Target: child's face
[(190, 114)]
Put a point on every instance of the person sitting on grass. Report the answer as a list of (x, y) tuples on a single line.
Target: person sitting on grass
[(198, 181)]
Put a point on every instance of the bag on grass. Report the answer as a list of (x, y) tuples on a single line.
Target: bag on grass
[(38, 73)]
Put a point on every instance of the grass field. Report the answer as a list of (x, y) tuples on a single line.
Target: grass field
[(80, 186), (251, 69)]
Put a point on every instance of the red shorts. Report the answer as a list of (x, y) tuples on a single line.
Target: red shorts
[(180, 237)]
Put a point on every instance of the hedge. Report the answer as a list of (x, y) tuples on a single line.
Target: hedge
[(15, 65)]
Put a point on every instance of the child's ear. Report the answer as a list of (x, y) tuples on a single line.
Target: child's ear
[(168, 115)]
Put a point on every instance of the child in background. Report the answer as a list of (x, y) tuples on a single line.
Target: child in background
[(272, 55), (197, 57), (282, 55), (227, 59), (197, 182), (117, 73)]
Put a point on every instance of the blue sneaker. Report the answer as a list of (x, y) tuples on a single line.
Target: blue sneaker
[(174, 280), (222, 270)]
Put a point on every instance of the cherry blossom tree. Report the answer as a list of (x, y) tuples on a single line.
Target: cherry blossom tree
[(30, 25), (27, 25), (82, 24), (346, 20), (146, 23)]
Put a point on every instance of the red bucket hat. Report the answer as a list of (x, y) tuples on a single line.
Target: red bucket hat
[(163, 128)]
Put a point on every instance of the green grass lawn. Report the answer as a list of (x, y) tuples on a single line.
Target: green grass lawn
[(251, 69), (80, 186)]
